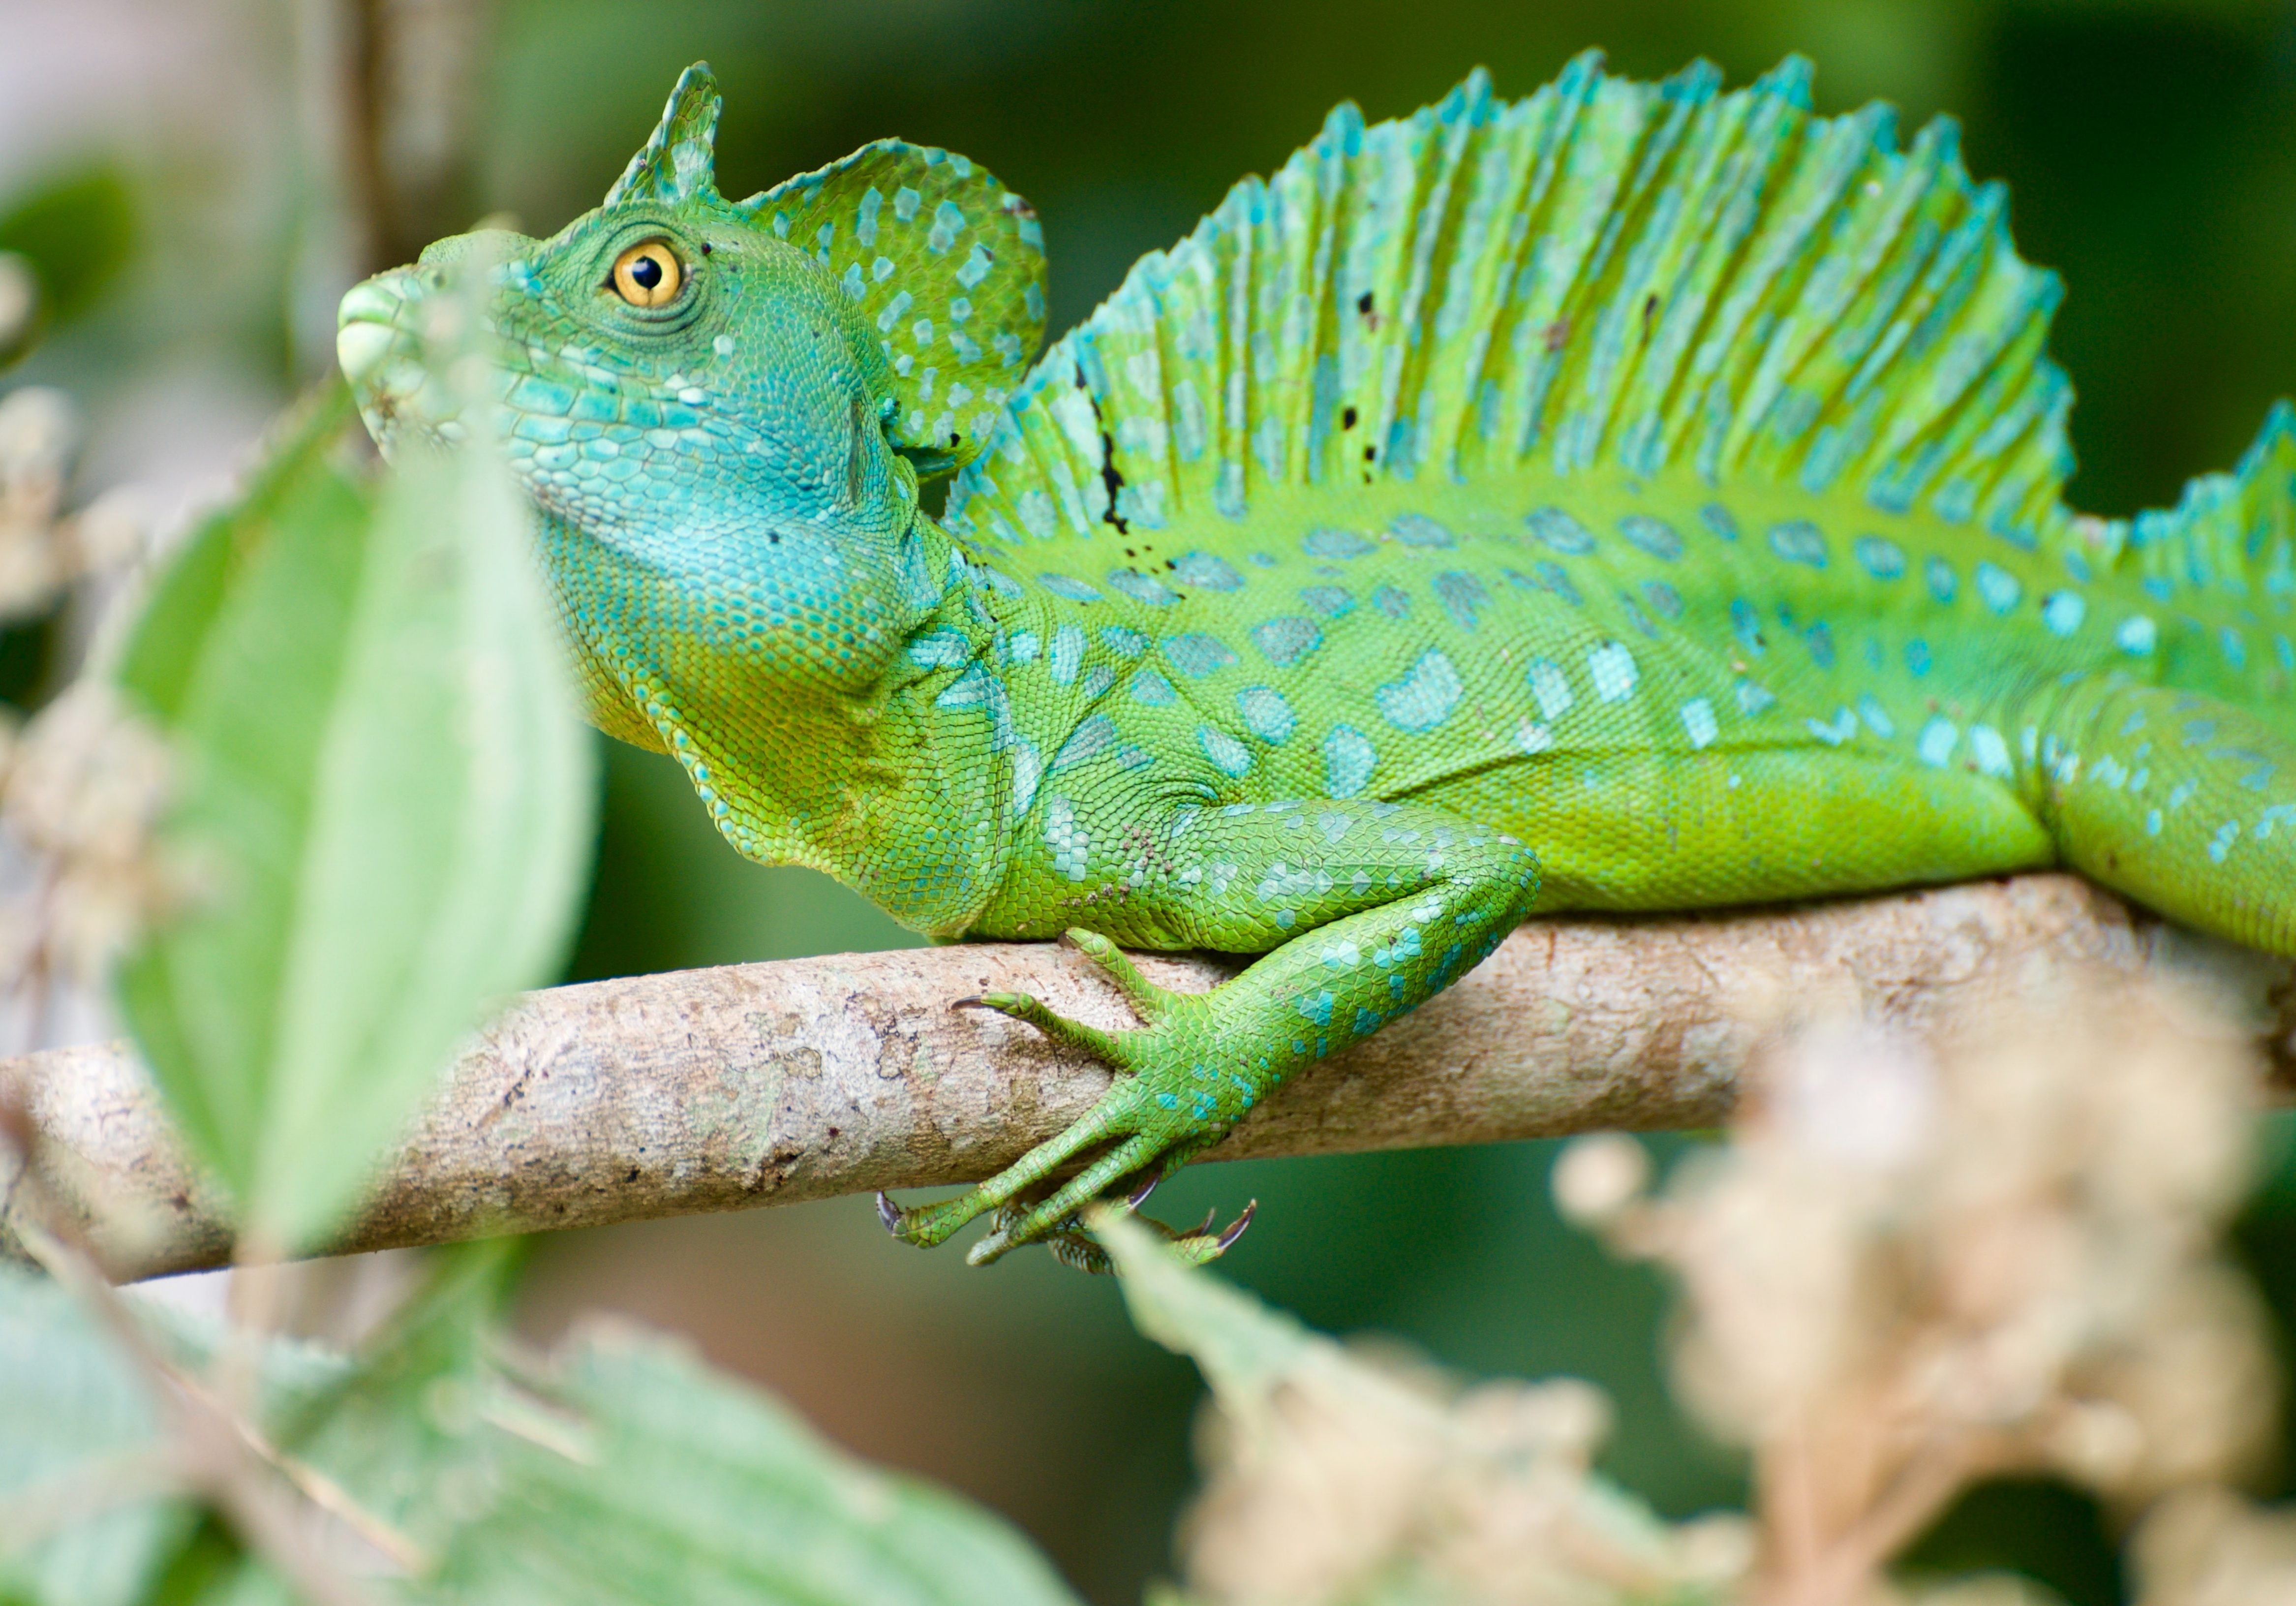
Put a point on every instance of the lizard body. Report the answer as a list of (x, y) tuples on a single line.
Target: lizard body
[(1631, 498)]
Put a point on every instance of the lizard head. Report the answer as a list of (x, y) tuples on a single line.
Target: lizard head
[(690, 380)]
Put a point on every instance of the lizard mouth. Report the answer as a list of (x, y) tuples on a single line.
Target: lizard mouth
[(380, 345)]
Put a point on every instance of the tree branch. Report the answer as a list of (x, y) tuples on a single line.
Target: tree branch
[(772, 1084)]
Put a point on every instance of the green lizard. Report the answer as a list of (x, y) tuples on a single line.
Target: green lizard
[(1636, 496)]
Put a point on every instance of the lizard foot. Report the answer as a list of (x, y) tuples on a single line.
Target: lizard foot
[(1072, 1244), (1174, 1103)]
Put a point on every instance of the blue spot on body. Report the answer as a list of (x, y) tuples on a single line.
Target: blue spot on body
[(1613, 670), (1196, 655), (1746, 625), (1996, 588), (1265, 714), (1067, 655), (1286, 639), (1876, 717), (1943, 583), (1716, 518), (1336, 544), (1799, 541), (1425, 697), (1835, 731), (1091, 738), (1553, 578), (1821, 646), (1228, 756), (1203, 569), (2137, 635), (1935, 745), (1461, 595), (1550, 687), (1392, 601), (1348, 757), (1151, 689), (1142, 587), (1698, 722), (1880, 557), (940, 648), (1417, 529), (1123, 643), (1655, 536), (1560, 532), (2063, 612), (1664, 599), (1990, 751), (1917, 657), (1076, 591), (1330, 601)]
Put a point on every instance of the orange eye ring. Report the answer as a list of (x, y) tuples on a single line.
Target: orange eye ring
[(649, 274)]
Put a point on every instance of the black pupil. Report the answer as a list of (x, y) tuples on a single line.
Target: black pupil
[(645, 273)]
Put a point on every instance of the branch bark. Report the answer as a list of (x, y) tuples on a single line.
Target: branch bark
[(773, 1084)]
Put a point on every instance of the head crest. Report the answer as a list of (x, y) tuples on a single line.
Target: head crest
[(945, 268), (679, 162)]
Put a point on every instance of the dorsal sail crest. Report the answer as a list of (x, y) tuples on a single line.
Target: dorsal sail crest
[(1607, 274)]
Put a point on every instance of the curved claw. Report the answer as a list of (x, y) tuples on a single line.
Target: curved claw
[(890, 1213), (1236, 1228), (1202, 1246)]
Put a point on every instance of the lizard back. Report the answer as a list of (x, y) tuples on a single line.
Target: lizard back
[(1671, 477)]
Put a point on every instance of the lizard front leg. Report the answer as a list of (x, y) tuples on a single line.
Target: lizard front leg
[(1362, 910)]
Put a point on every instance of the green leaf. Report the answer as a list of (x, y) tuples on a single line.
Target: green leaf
[(622, 1470), (650, 1478), (386, 797), (1244, 1349), (69, 1407)]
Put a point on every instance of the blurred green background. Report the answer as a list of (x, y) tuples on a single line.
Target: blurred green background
[(169, 168)]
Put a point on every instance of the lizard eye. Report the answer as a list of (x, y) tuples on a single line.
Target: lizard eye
[(648, 274)]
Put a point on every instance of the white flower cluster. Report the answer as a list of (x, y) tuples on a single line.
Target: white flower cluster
[(1367, 1477), (82, 788), (82, 784), (42, 548), (1914, 1268)]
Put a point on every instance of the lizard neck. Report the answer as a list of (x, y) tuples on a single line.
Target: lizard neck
[(788, 690)]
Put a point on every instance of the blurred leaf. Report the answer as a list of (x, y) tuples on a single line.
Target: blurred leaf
[(68, 1406), (624, 1469), (1243, 1347), (404, 1431), (295, 486), (388, 793), (78, 233), (669, 1481), (78, 1427)]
